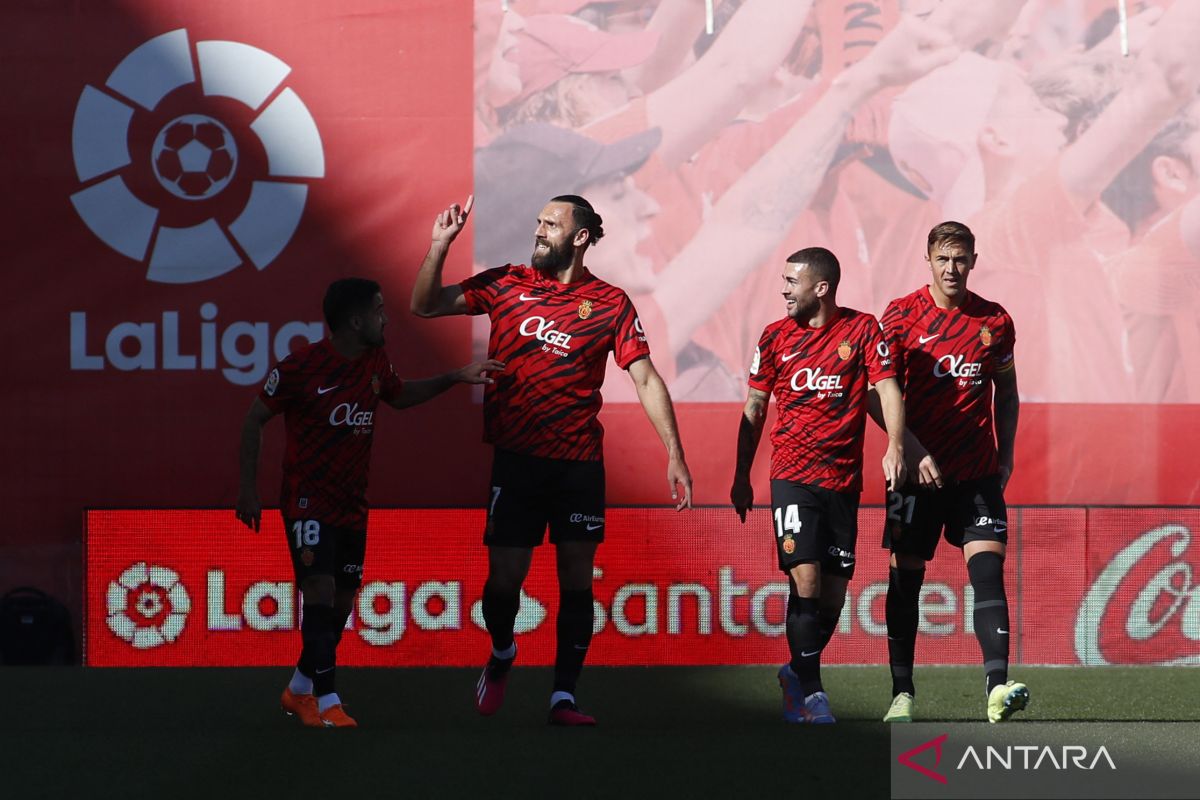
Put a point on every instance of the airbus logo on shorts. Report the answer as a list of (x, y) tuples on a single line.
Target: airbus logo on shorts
[(957, 366), (999, 525), (543, 330), (347, 414), (812, 380)]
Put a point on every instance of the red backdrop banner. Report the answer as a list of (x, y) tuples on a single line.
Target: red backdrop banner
[(194, 588)]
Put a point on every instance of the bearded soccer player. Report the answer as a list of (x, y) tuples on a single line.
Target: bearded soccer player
[(954, 356), (819, 362), (328, 393), (553, 324)]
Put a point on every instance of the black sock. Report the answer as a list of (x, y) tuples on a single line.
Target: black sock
[(341, 624), (903, 596), (804, 641), (574, 635), (319, 656), (828, 619), (499, 615), (986, 570)]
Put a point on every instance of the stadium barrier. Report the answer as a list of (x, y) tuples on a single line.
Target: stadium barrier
[(1086, 586)]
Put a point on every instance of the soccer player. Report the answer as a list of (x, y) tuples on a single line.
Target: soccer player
[(953, 350), (819, 362), (328, 393), (553, 324)]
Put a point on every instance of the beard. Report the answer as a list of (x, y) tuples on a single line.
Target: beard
[(803, 311), (556, 258)]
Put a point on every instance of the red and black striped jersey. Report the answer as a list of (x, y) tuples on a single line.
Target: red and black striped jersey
[(554, 339), (328, 404), (820, 377), (946, 359)]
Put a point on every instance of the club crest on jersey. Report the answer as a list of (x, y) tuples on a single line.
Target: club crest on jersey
[(985, 335), (376, 385), (585, 309), (845, 349)]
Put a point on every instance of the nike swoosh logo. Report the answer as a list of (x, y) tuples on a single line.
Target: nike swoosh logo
[(1000, 528), (323, 671), (526, 298), (1001, 630), (847, 564), (323, 390), (595, 527), (924, 339), (806, 654), (788, 357)]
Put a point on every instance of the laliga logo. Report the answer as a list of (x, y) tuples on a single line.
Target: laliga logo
[(147, 606), (194, 157), (1168, 595)]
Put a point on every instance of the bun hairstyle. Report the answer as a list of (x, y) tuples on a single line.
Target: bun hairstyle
[(584, 215)]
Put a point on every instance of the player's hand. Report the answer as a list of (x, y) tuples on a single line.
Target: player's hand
[(929, 475), (678, 475), (249, 510), (479, 372), (1005, 475), (451, 221), (911, 49), (894, 470), (742, 496)]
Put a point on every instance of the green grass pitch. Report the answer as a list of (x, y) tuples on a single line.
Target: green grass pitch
[(663, 732)]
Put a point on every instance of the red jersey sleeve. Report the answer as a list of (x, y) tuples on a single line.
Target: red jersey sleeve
[(390, 384), (284, 384), (480, 290), (630, 337), (876, 352), (1004, 348), (892, 330), (763, 368)]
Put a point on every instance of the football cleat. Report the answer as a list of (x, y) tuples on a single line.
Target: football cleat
[(489, 692), (336, 717), (1006, 700), (303, 706), (793, 695), (567, 714), (816, 708), (901, 709)]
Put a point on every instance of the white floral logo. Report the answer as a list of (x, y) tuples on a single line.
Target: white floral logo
[(147, 606)]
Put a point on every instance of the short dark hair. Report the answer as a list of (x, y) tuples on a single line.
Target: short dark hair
[(584, 215), (1131, 194), (346, 297), (950, 232), (822, 262)]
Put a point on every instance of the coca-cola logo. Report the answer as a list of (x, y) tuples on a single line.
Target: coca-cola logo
[(1144, 606)]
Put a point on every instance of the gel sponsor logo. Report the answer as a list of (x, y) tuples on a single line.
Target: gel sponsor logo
[(1144, 604), (242, 350), (542, 329), (957, 366), (348, 414), (811, 379)]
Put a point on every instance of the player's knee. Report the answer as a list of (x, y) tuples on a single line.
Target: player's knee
[(318, 590), (986, 569), (907, 561), (806, 578)]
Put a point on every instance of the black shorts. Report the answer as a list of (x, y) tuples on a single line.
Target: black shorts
[(968, 511), (814, 524), (530, 492), (320, 549)]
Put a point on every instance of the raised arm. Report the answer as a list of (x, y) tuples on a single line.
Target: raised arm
[(413, 393), (700, 101), (430, 298), (249, 509), (656, 401), (750, 428), (1164, 79), (1008, 407), (754, 214)]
